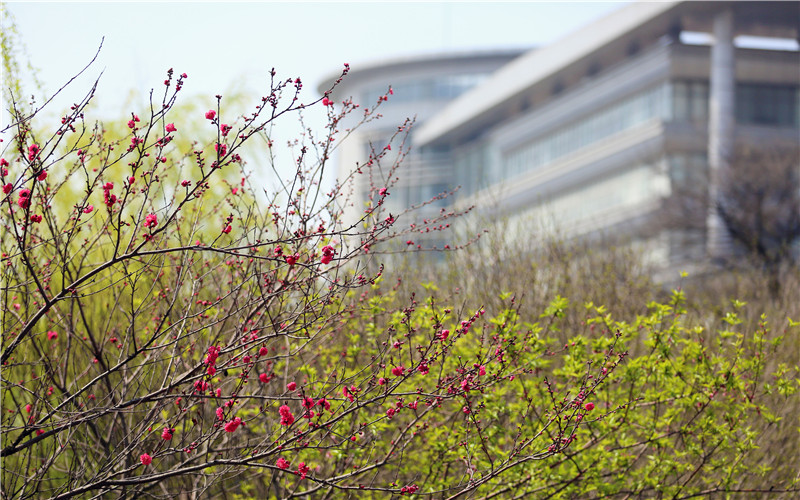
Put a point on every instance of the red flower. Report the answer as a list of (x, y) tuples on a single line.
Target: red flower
[(233, 424), (226, 229), (33, 150), (171, 127), (383, 192), (51, 335), (224, 129), (327, 254), (146, 459), (166, 434), (263, 351), (7, 188), (282, 463), (308, 402), (213, 353), (398, 370), (36, 218), (443, 335), (210, 114), (589, 406), (390, 412), (185, 183), (264, 377), (151, 220), (88, 209), (42, 175), (291, 386), (24, 200), (221, 149), (286, 415), (327, 102), (302, 470)]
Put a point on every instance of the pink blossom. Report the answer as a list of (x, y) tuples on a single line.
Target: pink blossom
[(346, 393), (88, 209), (7, 188), (226, 229), (327, 102), (42, 175), (286, 415), (381, 381), (220, 413), (327, 254), (302, 470), (146, 459), (263, 377), (482, 370), (398, 370), (224, 129), (390, 412), (171, 127), (166, 434), (28, 408), (443, 335), (282, 463), (308, 402), (233, 424), (151, 220), (589, 406), (383, 192), (186, 183), (51, 335), (33, 151), (24, 200), (210, 114), (213, 353), (291, 386), (263, 351)]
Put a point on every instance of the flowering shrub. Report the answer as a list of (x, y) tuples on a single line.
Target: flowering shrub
[(191, 334)]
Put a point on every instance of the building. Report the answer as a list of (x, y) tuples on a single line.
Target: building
[(421, 87), (596, 130)]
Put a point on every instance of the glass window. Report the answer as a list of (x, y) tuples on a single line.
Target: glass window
[(767, 105), (699, 101), (680, 101)]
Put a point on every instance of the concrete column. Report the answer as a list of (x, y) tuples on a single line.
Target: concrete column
[(721, 124)]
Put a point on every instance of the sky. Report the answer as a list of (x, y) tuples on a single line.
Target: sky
[(226, 46), (231, 46)]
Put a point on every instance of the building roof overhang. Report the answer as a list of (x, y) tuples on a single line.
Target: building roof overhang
[(540, 71)]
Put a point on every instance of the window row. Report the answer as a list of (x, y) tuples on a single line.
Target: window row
[(439, 88)]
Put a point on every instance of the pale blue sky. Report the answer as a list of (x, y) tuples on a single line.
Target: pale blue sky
[(224, 45)]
